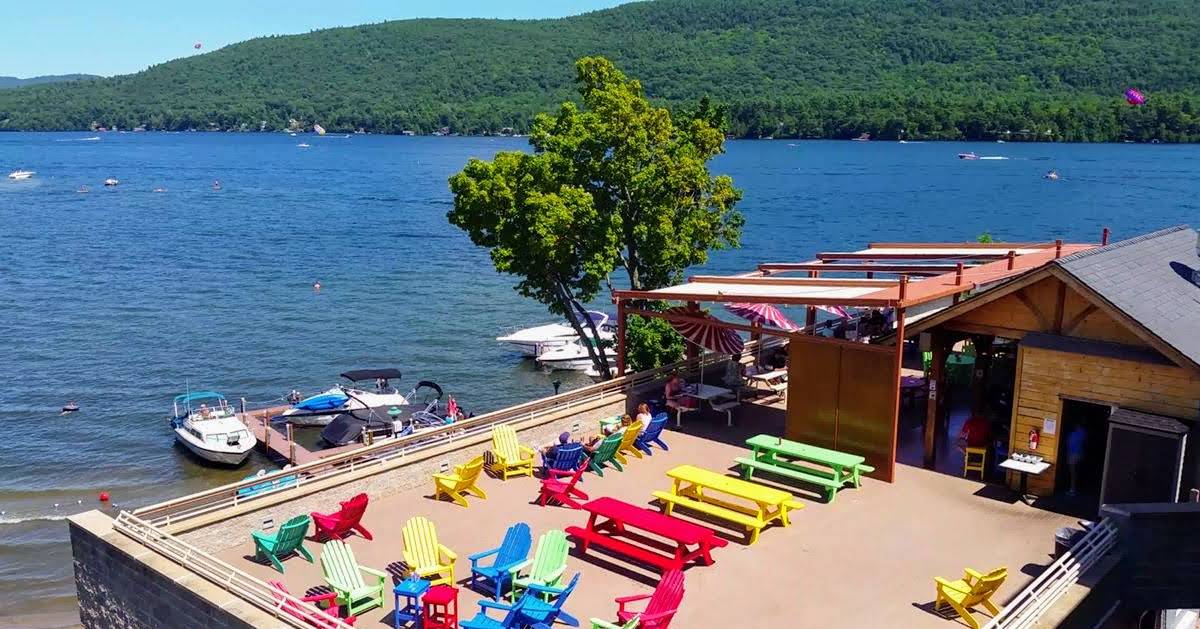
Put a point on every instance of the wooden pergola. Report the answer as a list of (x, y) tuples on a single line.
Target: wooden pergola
[(915, 279)]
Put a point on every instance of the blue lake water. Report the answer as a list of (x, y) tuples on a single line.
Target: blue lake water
[(122, 297)]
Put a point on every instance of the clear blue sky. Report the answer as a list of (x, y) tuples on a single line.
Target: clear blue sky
[(123, 36)]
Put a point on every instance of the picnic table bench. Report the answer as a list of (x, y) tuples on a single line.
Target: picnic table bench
[(828, 469), (693, 488), (774, 380), (622, 527)]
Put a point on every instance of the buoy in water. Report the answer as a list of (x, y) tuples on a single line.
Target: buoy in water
[(104, 496)]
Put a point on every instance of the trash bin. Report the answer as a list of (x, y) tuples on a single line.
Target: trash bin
[(1064, 538)]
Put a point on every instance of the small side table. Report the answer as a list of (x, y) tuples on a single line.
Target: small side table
[(440, 608), (411, 589), (1025, 469)]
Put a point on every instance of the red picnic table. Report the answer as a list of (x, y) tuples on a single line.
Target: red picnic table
[(610, 523)]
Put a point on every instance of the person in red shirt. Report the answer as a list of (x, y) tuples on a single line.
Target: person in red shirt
[(976, 432)]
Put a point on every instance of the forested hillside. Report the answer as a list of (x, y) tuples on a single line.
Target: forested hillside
[(1046, 69), (12, 81)]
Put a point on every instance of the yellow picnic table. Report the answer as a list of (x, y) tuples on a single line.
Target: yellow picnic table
[(742, 502)]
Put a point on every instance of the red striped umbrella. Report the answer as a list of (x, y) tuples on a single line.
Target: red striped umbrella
[(762, 314), (710, 336), (836, 311)]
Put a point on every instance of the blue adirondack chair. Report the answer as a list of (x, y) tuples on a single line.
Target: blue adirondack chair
[(566, 459), (537, 611), (652, 433), (512, 619), (513, 551)]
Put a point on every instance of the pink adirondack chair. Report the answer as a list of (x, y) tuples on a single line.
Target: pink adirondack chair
[(323, 618), (661, 607), (348, 518), (564, 492)]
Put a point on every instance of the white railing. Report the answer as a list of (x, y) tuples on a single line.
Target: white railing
[(1031, 603), (223, 575), (388, 450)]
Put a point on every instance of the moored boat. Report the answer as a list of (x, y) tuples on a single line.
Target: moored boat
[(213, 433), (968, 155), (536, 340)]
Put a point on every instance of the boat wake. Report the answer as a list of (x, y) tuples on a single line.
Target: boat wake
[(55, 517), (992, 157), (94, 138)]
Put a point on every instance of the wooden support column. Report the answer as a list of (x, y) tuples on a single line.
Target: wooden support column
[(810, 313), (934, 407), (979, 374), (621, 315), (891, 474)]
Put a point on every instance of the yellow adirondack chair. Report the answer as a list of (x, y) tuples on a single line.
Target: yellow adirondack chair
[(426, 557), (463, 480), (511, 458), (971, 590), (627, 443)]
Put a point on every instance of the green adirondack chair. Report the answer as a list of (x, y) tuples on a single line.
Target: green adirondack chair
[(287, 540), (605, 453), (345, 576), (547, 565)]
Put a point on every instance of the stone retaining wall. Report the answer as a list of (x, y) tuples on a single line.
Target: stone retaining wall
[(123, 585)]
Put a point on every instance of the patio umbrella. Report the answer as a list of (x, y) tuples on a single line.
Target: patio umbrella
[(762, 314), (707, 335)]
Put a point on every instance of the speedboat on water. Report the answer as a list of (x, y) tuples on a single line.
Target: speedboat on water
[(206, 424), (320, 409), (111, 182), (968, 155), (21, 175), (422, 411), (538, 339), (1052, 175), (570, 357)]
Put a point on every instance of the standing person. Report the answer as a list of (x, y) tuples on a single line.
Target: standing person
[(1076, 441)]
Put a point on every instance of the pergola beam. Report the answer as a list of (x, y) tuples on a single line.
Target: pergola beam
[(852, 302), (826, 282), (1004, 246), (910, 269), (987, 254)]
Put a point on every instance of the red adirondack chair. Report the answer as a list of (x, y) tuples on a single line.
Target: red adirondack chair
[(563, 491), (348, 518), (322, 619), (661, 607)]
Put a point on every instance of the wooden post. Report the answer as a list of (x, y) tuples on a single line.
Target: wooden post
[(903, 294), (958, 274), (937, 390), (292, 452), (1058, 248), (266, 422), (620, 337), (891, 473), (1104, 236), (810, 313), (1012, 259)]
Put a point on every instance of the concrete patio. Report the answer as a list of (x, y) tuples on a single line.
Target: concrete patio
[(867, 559)]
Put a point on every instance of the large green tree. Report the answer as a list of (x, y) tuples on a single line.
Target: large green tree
[(613, 184)]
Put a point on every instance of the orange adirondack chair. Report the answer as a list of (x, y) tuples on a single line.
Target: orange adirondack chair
[(348, 518)]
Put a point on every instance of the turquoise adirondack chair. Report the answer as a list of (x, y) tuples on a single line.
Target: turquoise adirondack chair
[(547, 566), (513, 550), (542, 605), (287, 540), (606, 453), (345, 576)]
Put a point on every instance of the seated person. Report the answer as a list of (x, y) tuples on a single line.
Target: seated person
[(643, 414), (976, 432), (734, 372), (550, 451), (673, 392)]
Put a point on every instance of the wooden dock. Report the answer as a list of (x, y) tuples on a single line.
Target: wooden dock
[(276, 439)]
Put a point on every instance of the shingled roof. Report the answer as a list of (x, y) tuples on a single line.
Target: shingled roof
[(1154, 279)]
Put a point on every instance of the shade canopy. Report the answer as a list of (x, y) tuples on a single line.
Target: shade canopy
[(762, 314), (709, 334), (371, 374)]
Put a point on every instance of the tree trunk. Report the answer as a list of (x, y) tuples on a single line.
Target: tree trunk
[(574, 310)]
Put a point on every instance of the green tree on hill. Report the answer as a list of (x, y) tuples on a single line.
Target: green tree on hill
[(614, 184)]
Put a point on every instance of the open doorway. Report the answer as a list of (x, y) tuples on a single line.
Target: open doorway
[(1082, 441)]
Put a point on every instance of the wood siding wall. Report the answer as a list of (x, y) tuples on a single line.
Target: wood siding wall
[(1045, 376), (843, 395)]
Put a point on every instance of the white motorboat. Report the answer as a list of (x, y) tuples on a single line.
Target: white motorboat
[(111, 182), (21, 175), (538, 339), (570, 357), (320, 409), (213, 433)]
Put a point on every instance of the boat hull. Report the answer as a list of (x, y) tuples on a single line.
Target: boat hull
[(232, 459)]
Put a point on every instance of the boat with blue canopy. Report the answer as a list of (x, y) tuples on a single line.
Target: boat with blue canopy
[(208, 426)]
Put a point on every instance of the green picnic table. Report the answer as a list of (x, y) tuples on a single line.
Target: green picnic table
[(787, 458)]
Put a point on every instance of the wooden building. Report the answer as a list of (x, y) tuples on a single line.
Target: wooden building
[(1107, 341)]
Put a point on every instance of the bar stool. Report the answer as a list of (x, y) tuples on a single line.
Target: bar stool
[(975, 460), (410, 590), (440, 608)]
